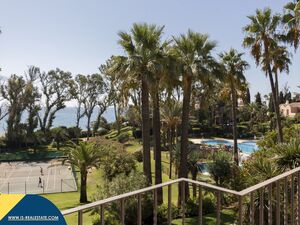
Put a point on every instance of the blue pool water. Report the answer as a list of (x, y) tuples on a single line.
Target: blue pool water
[(247, 147)]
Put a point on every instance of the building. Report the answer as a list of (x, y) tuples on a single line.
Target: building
[(290, 109)]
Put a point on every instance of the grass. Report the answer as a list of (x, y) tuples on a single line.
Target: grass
[(227, 218)]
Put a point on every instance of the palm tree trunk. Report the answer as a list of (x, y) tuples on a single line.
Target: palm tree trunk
[(146, 129), (170, 145), (183, 170), (83, 192), (157, 145), (276, 105), (277, 87), (234, 125)]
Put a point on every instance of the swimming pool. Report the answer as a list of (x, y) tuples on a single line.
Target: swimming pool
[(247, 147)]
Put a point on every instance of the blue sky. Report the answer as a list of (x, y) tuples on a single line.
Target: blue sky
[(78, 36)]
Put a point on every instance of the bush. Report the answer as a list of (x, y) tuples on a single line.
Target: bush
[(119, 185), (102, 131), (138, 156), (122, 138), (118, 162), (73, 132), (220, 169), (162, 213), (208, 205)]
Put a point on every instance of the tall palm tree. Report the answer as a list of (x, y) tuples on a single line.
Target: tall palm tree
[(171, 118), (291, 20), (193, 52), (141, 46), (234, 67), (281, 60), (263, 39), (84, 156)]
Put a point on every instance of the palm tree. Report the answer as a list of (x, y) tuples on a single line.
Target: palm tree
[(281, 61), (142, 45), (234, 67), (193, 52), (288, 154), (171, 118), (84, 157), (291, 20), (193, 158), (263, 39)]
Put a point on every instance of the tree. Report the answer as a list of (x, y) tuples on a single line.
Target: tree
[(16, 93), (84, 157), (193, 52), (141, 46), (56, 87), (116, 89), (263, 39), (258, 99), (193, 158), (33, 104), (220, 169), (233, 76), (171, 119), (59, 135), (248, 96), (291, 20), (94, 88), (79, 95), (288, 154)]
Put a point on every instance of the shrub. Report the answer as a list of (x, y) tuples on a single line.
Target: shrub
[(208, 205), (73, 132), (119, 185), (117, 162), (102, 131), (220, 169), (162, 213), (138, 155), (122, 138)]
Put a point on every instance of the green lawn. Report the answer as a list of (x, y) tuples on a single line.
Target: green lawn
[(227, 218)]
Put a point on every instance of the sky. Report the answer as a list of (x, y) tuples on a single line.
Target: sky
[(78, 36)]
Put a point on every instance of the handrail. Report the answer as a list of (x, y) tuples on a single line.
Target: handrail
[(206, 185), (211, 186), (119, 197)]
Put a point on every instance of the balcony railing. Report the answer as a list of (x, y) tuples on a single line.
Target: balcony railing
[(274, 201)]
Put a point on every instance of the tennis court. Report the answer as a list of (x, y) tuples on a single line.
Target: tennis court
[(36, 177)]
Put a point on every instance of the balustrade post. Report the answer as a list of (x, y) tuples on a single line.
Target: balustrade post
[(80, 217), (200, 210)]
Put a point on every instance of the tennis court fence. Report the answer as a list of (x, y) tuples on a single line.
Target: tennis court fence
[(34, 186)]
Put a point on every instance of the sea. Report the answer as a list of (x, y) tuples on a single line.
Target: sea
[(67, 117)]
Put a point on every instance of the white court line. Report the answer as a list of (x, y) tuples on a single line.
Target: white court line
[(47, 179), (54, 180), (29, 174)]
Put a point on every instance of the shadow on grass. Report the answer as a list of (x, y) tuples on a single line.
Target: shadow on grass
[(227, 218)]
